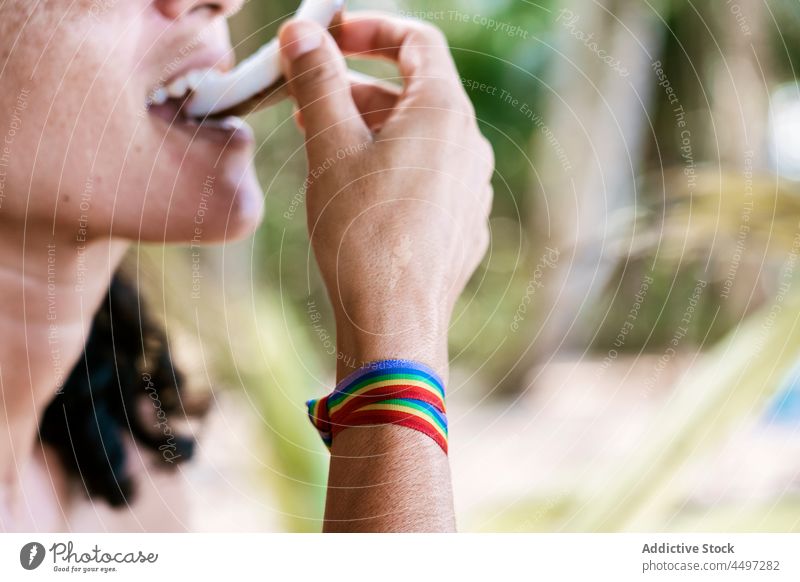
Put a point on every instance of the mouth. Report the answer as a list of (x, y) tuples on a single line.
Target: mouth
[(167, 104), (257, 81)]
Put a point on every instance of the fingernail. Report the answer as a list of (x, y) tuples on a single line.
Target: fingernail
[(300, 38)]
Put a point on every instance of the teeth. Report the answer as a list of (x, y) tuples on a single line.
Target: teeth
[(159, 96), (193, 79), (178, 88)]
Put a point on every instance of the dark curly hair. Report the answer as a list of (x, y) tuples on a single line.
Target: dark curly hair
[(126, 360)]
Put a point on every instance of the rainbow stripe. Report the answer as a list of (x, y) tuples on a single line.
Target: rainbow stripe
[(398, 392)]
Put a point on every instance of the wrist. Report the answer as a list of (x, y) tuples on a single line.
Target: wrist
[(417, 333)]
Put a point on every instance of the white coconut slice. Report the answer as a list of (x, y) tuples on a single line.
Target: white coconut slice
[(257, 81)]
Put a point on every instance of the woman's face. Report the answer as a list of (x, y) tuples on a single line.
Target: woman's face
[(81, 152)]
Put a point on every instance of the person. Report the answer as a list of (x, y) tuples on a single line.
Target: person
[(88, 167)]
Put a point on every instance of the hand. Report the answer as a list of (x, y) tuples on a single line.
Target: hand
[(399, 187)]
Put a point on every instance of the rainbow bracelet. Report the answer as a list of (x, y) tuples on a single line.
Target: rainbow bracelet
[(399, 392)]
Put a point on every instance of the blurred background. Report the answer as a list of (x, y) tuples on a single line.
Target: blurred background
[(626, 357)]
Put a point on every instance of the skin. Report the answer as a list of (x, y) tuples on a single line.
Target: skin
[(397, 228), (88, 171), (84, 163)]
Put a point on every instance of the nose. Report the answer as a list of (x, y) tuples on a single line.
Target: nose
[(174, 9)]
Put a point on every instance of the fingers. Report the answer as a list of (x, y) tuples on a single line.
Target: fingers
[(420, 51), (375, 103), (317, 76)]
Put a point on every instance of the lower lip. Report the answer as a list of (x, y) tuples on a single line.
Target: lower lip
[(231, 132)]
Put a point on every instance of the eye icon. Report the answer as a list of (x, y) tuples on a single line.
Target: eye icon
[(31, 555)]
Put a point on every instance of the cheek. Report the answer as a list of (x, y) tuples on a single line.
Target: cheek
[(52, 159), (86, 155), (72, 130)]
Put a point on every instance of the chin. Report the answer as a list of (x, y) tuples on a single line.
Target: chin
[(207, 190), (226, 206), (198, 207), (214, 195)]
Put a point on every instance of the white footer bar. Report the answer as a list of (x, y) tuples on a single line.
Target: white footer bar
[(385, 557)]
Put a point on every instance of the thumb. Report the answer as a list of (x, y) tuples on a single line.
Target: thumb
[(317, 76)]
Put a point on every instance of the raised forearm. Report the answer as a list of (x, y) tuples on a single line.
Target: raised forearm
[(389, 478), (398, 224)]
